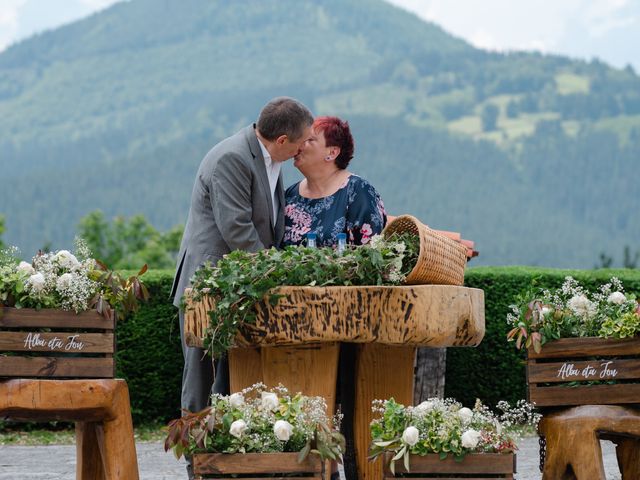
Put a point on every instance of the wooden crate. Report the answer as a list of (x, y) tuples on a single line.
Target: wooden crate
[(552, 373), (52, 343), (477, 466), (251, 465)]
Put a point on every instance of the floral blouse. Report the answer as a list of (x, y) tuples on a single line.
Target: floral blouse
[(355, 209)]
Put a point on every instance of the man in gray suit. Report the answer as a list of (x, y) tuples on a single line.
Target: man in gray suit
[(237, 203)]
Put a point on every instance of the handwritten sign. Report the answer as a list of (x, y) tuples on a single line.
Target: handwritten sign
[(598, 370), (70, 343)]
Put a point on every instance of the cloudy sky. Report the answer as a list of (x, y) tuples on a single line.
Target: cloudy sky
[(607, 29)]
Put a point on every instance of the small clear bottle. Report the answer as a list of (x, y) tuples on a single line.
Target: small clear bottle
[(342, 242), (311, 240)]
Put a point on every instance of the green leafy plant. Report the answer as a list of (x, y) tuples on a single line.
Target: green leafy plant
[(241, 280), (541, 315), (67, 281), (258, 420), (445, 427)]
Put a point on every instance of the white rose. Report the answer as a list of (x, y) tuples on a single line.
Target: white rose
[(283, 430), (470, 438), (37, 282), (582, 306), (545, 311), (270, 401), (237, 428), (617, 297), (64, 281), (236, 400), (465, 414), (25, 267), (66, 259), (410, 436), (425, 407)]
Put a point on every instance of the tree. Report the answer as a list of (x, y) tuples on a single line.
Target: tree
[(2, 229), (489, 117), (128, 244)]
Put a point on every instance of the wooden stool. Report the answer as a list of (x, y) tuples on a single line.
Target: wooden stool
[(104, 430), (573, 442)]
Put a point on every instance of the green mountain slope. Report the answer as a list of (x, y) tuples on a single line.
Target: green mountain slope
[(116, 111)]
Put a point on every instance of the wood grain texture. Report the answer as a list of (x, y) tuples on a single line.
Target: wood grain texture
[(102, 408), (245, 368), (254, 463), (551, 372), (575, 348), (56, 367), (382, 371), (573, 446), (52, 318), (91, 342), (481, 464), (421, 315)]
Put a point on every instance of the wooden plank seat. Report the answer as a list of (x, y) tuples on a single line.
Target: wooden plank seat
[(104, 430), (573, 441)]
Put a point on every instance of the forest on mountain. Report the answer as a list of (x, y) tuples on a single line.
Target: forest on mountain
[(532, 156)]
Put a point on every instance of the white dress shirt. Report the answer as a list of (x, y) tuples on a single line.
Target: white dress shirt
[(273, 172)]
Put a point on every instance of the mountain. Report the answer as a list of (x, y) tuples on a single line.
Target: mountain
[(530, 155)]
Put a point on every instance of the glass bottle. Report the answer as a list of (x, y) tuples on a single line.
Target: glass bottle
[(342, 242), (311, 240)]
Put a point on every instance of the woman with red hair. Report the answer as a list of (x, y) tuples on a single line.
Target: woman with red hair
[(330, 199)]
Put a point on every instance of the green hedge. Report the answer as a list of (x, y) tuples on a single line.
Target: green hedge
[(150, 359)]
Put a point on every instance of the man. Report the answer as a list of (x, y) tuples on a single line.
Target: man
[(237, 203)]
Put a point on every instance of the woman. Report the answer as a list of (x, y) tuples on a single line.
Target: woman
[(330, 199)]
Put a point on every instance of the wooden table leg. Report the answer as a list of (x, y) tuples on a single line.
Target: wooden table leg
[(89, 464), (245, 368), (382, 371)]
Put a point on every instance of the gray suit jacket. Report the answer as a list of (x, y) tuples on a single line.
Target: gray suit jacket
[(231, 207)]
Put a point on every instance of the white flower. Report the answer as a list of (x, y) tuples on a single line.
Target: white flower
[(400, 247), (238, 428), (425, 407), (581, 305), (236, 400), (66, 259), (545, 311), (25, 267), (283, 430), (64, 281), (465, 414), (617, 297), (270, 401), (376, 242), (37, 282), (470, 438), (410, 436)]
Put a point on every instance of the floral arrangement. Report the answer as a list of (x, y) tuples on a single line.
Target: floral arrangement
[(445, 427), (541, 315), (258, 420), (241, 280), (68, 281)]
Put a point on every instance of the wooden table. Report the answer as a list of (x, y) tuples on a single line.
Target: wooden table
[(104, 430), (296, 342)]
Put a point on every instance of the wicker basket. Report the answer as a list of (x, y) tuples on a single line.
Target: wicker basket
[(441, 260)]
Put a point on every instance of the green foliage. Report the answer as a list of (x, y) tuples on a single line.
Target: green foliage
[(148, 354), (2, 228), (494, 370), (241, 280), (126, 243), (489, 117)]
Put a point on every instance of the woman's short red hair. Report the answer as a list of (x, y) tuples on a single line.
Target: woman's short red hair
[(337, 134)]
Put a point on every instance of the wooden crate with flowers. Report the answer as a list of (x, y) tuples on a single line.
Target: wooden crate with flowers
[(440, 438), (57, 315), (258, 431), (583, 348)]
